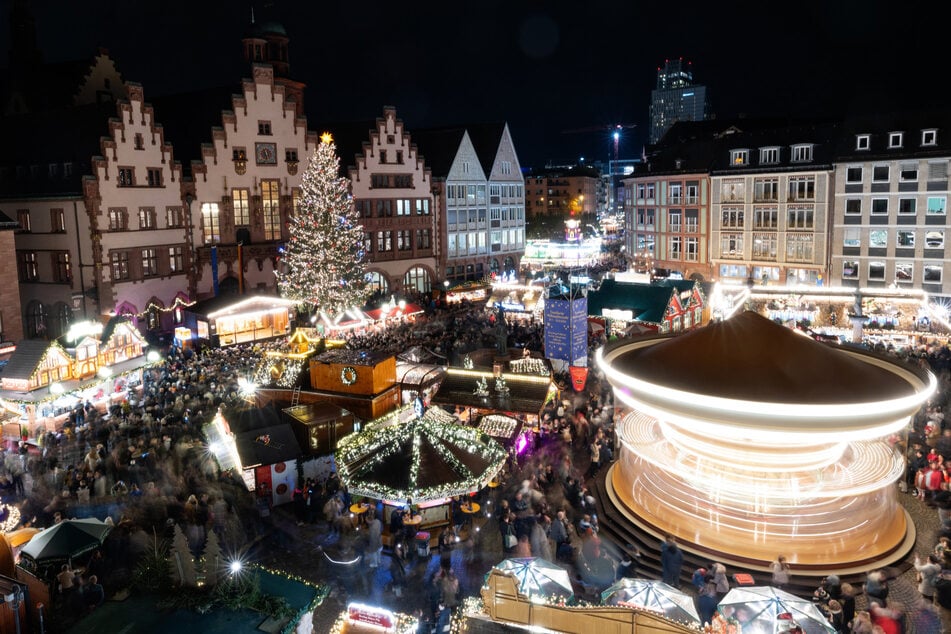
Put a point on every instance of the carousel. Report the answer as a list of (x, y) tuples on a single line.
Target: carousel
[(746, 439), (418, 459)]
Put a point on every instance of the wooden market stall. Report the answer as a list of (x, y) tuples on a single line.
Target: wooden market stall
[(231, 319)]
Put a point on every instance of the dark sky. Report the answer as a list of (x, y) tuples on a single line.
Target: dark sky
[(545, 67)]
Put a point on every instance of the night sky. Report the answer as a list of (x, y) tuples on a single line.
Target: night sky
[(545, 67)]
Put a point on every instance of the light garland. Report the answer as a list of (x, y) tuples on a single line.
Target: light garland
[(9, 518), (365, 451), (153, 307)]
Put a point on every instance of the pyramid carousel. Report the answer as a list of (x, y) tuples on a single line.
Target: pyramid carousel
[(746, 440), (422, 457)]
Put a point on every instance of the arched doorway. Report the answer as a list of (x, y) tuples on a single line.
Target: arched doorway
[(60, 319), (417, 279), (35, 322), (228, 286)]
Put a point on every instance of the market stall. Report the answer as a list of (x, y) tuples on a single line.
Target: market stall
[(227, 319)]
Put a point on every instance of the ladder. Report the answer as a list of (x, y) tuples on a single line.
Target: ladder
[(295, 400)]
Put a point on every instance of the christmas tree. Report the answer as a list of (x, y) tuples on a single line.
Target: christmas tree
[(324, 265)]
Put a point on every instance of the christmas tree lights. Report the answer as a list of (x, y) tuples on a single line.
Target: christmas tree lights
[(324, 260)]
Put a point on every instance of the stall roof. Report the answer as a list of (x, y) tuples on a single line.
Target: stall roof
[(647, 302), (267, 445), (418, 374), (230, 304), (312, 413), (527, 394), (25, 358), (376, 314), (352, 357)]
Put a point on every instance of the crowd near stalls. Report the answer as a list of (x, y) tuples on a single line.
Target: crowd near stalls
[(143, 465)]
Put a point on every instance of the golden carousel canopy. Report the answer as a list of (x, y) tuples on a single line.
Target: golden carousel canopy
[(409, 455)]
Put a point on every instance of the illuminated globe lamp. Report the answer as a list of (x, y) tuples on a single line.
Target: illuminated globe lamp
[(745, 440)]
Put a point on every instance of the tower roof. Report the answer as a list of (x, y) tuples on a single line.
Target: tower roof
[(751, 358)]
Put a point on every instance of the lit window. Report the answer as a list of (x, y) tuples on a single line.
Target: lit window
[(739, 157)]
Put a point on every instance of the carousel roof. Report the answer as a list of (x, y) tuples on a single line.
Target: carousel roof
[(749, 357), (406, 456)]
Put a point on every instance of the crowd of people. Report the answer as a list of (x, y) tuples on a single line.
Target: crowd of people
[(143, 464)]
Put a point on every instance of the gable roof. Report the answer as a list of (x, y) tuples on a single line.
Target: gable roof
[(486, 138), (26, 358)]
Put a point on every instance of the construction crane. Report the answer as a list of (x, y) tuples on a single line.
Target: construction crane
[(614, 129)]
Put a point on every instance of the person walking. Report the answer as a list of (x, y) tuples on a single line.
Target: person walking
[(672, 561), (374, 539), (927, 573), (780, 570)]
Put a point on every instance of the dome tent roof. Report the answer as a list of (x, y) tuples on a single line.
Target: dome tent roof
[(749, 357), (405, 456)]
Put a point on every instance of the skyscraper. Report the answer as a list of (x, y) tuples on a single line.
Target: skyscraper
[(676, 98)]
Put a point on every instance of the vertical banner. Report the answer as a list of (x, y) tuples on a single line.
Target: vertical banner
[(214, 270)]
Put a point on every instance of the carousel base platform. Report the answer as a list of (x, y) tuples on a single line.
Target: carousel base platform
[(625, 527)]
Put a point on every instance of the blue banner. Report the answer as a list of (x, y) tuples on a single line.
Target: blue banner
[(566, 330), (214, 270)]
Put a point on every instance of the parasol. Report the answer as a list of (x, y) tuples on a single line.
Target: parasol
[(538, 577), (763, 608), (63, 541), (656, 596)]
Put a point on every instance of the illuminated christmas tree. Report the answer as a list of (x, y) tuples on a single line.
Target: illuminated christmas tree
[(324, 265)]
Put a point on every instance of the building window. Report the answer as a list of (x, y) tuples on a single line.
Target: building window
[(673, 221), (62, 267), (852, 237), (907, 206), (799, 218), (382, 156), (764, 246), (766, 190), (404, 240), (908, 173), (904, 271), (242, 209), (801, 153), (802, 188), (23, 219), (799, 247), (880, 174), (733, 191), (57, 221), (118, 219), (905, 239), (423, 239), (862, 141), (174, 217), (853, 206), (264, 128), (53, 170), (176, 259), (894, 139), (879, 206), (290, 155), (119, 262), (691, 221), (384, 208), (853, 175), (768, 155), (422, 206), (29, 271), (675, 248), (146, 217), (929, 137), (765, 218), (731, 218), (731, 245), (270, 205), (934, 239), (692, 249), (876, 270), (937, 170), (154, 176), (404, 208), (399, 157), (933, 273), (850, 269), (139, 142), (739, 157), (126, 177), (937, 205), (506, 167), (149, 262), (878, 239), (384, 241), (210, 229)]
